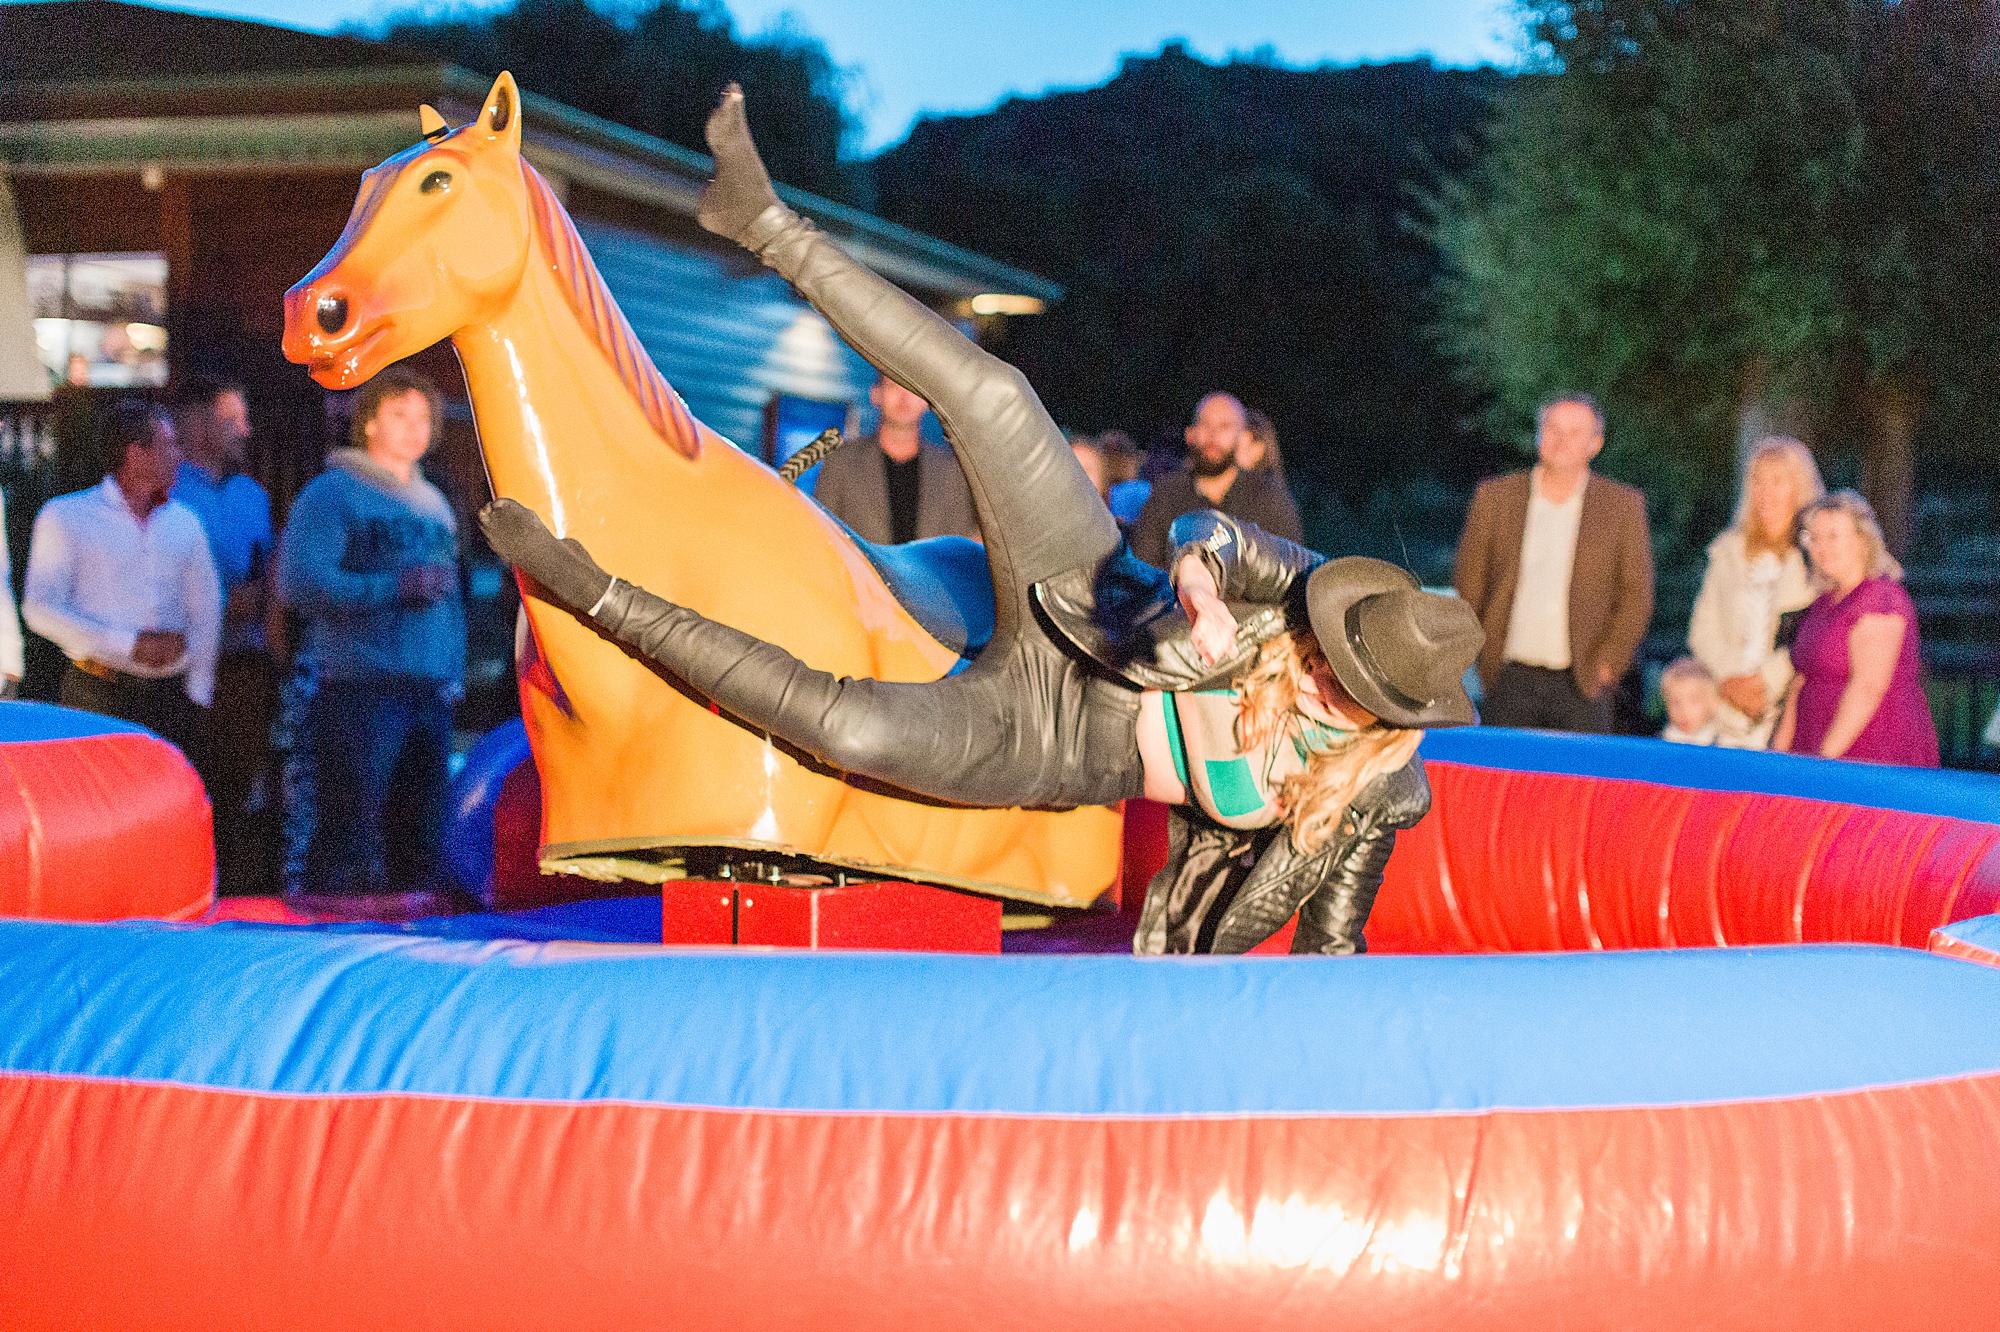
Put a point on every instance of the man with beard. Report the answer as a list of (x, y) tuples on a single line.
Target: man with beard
[(1212, 480)]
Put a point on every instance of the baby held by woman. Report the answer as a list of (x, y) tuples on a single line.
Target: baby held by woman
[(1692, 703)]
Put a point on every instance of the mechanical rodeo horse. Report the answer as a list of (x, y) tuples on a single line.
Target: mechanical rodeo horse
[(1277, 706), (312, 1128)]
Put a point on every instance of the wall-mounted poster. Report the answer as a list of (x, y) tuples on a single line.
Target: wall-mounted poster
[(100, 319)]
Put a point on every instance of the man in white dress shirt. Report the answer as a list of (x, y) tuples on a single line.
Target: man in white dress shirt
[(1557, 562), (120, 578)]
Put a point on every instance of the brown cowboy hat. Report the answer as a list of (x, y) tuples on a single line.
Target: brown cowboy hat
[(1400, 651)]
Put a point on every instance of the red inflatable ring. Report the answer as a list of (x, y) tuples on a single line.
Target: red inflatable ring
[(99, 820)]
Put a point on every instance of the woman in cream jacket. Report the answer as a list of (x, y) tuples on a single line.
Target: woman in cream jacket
[(1756, 573)]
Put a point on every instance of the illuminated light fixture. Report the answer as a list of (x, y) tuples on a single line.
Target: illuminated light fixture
[(1002, 303)]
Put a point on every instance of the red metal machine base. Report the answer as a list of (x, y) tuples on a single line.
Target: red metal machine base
[(910, 917)]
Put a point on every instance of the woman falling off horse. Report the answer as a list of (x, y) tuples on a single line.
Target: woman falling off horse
[(1276, 708)]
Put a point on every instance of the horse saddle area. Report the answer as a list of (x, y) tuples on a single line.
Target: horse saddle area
[(943, 583)]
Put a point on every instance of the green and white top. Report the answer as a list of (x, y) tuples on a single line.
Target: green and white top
[(1237, 788)]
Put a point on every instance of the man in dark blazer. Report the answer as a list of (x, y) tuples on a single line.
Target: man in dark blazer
[(894, 486), (1557, 562)]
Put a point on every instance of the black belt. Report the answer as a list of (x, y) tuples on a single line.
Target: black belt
[(112, 675)]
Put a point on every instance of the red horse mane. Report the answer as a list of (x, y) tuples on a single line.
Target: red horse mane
[(605, 322)]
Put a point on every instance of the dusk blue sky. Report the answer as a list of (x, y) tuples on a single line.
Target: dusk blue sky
[(910, 56)]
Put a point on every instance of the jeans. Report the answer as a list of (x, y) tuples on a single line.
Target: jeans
[(246, 696), (291, 747), (381, 750)]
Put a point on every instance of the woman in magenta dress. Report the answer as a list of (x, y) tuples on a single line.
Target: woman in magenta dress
[(1858, 693)]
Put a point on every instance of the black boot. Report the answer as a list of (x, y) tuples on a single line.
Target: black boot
[(741, 191)]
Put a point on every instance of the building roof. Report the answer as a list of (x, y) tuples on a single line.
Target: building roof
[(79, 40), (96, 85)]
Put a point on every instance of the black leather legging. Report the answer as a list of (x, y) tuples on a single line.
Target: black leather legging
[(1027, 723)]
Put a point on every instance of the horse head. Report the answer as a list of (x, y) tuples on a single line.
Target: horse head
[(439, 238)]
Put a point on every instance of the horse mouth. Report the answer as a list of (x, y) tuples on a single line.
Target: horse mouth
[(342, 369)]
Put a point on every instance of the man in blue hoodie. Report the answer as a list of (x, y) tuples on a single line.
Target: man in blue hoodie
[(370, 559)]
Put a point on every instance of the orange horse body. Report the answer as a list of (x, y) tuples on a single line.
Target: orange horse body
[(459, 237)]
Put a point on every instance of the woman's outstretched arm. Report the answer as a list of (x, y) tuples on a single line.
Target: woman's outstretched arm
[(973, 739), (1248, 563), (836, 720)]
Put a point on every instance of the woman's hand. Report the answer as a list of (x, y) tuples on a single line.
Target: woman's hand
[(1213, 623), (563, 568), (1788, 720), (1746, 694)]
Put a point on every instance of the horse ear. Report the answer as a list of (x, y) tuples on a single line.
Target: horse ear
[(433, 123), (501, 116)]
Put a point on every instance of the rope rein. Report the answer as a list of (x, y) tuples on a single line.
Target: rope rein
[(801, 462)]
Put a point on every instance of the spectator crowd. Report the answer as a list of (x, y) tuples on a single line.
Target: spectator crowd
[(317, 670), (1802, 638)]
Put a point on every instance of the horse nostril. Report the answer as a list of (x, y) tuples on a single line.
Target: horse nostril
[(332, 312)]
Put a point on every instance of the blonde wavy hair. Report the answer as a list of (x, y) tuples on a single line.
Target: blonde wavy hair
[(1881, 564), (1315, 799), (1807, 487)]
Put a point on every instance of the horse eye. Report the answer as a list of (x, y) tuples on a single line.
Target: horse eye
[(434, 182)]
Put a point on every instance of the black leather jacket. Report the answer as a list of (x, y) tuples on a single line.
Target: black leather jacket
[(1226, 890), (1126, 616)]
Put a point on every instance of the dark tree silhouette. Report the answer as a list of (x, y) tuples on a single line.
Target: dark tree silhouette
[(1728, 215), (1239, 226), (659, 70)]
